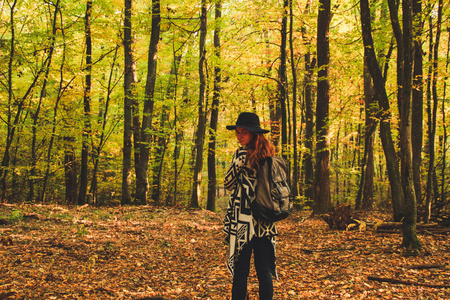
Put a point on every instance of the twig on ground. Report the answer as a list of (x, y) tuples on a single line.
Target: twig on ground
[(406, 282)]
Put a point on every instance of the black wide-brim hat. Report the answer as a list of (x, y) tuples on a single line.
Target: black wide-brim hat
[(249, 121)]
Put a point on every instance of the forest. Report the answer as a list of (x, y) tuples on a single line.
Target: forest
[(113, 103)]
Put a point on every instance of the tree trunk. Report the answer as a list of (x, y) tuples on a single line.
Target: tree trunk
[(393, 11), (176, 155), (282, 81), (200, 137), (102, 120), (384, 113), (70, 170), (308, 165), (161, 139), (35, 117), (129, 82), (54, 121), (322, 184), (364, 199), (10, 128), (410, 240), (429, 187), (36, 114), (432, 131), (417, 102), (159, 152), (212, 176), (144, 151), (87, 107), (295, 175), (443, 198)]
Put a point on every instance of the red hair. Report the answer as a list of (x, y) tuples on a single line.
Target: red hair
[(258, 149)]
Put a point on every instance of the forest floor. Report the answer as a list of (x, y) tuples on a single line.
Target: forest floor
[(54, 252)]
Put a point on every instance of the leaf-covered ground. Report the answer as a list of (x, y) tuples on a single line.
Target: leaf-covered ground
[(51, 252)]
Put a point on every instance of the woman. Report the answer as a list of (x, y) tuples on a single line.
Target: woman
[(245, 234)]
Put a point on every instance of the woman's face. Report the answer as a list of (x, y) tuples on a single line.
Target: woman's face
[(243, 136)]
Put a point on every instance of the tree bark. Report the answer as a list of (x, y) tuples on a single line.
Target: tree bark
[(102, 121), (129, 82), (364, 199), (308, 166), (70, 170), (417, 101), (35, 116), (322, 183), (410, 240), (443, 198), (395, 23), (212, 176), (161, 138), (144, 151), (200, 137), (295, 173), (10, 127), (432, 130), (274, 106), (384, 113), (61, 90), (87, 107), (282, 81)]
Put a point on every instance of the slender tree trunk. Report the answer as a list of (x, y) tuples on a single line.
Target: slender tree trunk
[(129, 97), (55, 113), (212, 176), (417, 101), (274, 108), (161, 139), (179, 137), (295, 175), (11, 128), (322, 184), (43, 94), (384, 113), (393, 10), (282, 80), (70, 170), (87, 107), (160, 151), (365, 194), (434, 92), (410, 240), (308, 165), (102, 119), (20, 107), (36, 114), (35, 117), (430, 142), (144, 153), (200, 138), (176, 155), (443, 198)]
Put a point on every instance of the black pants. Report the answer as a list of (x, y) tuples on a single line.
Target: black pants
[(263, 256)]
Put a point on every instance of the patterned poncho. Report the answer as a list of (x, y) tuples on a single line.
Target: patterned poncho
[(239, 224)]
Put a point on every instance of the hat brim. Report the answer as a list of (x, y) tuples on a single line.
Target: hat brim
[(249, 128)]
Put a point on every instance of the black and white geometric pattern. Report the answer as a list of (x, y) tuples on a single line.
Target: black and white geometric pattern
[(239, 224)]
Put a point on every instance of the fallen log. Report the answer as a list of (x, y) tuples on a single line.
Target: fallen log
[(407, 282), (424, 267), (398, 225), (390, 227), (309, 251)]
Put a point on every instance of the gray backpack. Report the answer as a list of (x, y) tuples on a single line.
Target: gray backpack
[(273, 200)]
